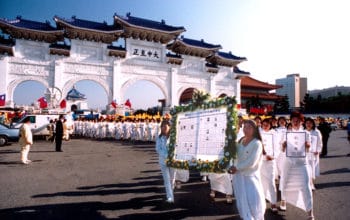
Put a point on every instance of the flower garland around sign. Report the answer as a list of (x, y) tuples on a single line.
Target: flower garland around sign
[(200, 100)]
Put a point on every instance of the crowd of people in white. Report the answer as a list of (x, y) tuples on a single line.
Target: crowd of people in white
[(143, 130)]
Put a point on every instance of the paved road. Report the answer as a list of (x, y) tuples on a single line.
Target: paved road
[(114, 180)]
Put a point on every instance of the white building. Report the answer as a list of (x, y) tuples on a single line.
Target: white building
[(76, 49), (295, 87)]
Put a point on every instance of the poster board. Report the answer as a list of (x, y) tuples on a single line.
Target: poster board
[(296, 144), (202, 135)]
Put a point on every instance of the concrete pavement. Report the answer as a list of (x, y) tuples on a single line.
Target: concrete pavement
[(114, 180)]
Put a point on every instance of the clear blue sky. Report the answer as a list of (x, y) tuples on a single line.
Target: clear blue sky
[(277, 37)]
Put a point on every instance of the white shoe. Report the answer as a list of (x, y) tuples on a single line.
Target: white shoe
[(283, 206), (169, 200)]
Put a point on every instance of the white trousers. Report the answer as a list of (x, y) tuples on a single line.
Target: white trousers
[(24, 153), (169, 180)]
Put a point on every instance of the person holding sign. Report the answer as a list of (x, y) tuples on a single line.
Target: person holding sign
[(313, 156), (268, 168), (295, 185), (247, 185), (162, 142)]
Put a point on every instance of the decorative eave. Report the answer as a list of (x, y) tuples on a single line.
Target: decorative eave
[(264, 96), (6, 46), (31, 30), (60, 49), (88, 30), (143, 29), (250, 83), (116, 51), (192, 47), (225, 59), (211, 68), (239, 73), (174, 59)]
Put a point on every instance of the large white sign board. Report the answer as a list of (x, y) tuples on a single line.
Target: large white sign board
[(201, 134)]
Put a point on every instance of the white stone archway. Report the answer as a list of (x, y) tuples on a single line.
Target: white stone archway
[(90, 61)]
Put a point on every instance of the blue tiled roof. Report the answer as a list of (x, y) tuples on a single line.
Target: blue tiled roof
[(173, 55), (60, 46), (75, 94), (111, 47), (230, 56), (80, 23), (35, 25), (199, 43), (237, 70), (149, 23)]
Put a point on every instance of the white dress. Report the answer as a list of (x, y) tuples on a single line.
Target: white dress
[(247, 186), (268, 167), (295, 181)]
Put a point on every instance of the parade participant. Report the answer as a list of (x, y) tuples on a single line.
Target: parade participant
[(59, 133), (268, 167), (294, 184), (281, 133), (325, 130), (25, 140), (247, 186), (52, 132), (162, 150), (313, 158)]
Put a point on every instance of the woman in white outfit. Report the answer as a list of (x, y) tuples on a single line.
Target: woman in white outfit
[(162, 150), (247, 186), (268, 168), (313, 156), (294, 184)]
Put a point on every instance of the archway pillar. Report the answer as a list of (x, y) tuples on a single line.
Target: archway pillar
[(116, 83), (174, 88), (212, 88), (5, 81), (238, 90)]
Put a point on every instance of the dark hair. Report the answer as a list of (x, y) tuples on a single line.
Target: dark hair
[(165, 122), (312, 121), (256, 133), (297, 115)]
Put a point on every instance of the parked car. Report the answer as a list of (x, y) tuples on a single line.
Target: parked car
[(334, 126), (8, 134)]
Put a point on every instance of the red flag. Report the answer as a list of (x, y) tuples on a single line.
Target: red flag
[(42, 102), (128, 103), (2, 99), (63, 103), (114, 104)]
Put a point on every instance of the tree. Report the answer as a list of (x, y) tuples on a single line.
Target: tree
[(282, 105)]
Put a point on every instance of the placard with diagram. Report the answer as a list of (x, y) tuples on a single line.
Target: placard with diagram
[(202, 134)]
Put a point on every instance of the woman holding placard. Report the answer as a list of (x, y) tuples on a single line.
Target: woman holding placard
[(247, 186), (268, 168), (294, 184)]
